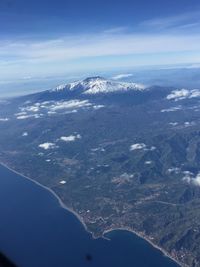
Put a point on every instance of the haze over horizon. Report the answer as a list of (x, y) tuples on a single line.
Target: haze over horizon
[(44, 38)]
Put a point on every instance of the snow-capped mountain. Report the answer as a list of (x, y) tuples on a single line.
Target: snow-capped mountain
[(98, 85)]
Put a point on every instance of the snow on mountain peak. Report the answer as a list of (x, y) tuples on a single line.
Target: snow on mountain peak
[(97, 85)]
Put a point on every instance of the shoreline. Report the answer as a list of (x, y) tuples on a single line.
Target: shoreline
[(61, 203), (164, 252)]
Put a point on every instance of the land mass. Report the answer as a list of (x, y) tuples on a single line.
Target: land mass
[(139, 234), (119, 160)]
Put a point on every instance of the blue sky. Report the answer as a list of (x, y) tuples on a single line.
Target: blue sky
[(44, 37)]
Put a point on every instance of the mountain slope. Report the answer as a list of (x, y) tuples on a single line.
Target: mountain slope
[(102, 90), (129, 158), (98, 85)]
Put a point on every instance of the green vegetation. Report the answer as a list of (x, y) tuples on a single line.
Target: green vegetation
[(110, 186)]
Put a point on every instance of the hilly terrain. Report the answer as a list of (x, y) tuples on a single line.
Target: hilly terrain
[(120, 155)]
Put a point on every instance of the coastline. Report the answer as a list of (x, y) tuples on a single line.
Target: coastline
[(60, 202), (165, 253)]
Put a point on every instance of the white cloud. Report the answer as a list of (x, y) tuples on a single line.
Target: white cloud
[(98, 106), (160, 36), (33, 109), (190, 178), (62, 182), (23, 117), (172, 109), (177, 22), (138, 146), (4, 119), (70, 138), (24, 134), (52, 107), (141, 146), (20, 113), (148, 162), (183, 94), (69, 104), (121, 76), (196, 180), (47, 146), (29, 55), (178, 94), (71, 111), (34, 116), (98, 45)]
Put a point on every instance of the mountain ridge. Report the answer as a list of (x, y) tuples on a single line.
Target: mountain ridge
[(99, 85)]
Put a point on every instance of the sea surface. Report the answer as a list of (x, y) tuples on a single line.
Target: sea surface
[(35, 231)]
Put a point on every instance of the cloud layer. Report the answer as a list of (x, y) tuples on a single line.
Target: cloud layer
[(39, 109), (47, 145), (122, 76), (95, 45), (70, 138), (183, 94), (141, 146), (191, 178), (166, 40)]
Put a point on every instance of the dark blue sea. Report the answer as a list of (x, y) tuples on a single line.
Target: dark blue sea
[(35, 231)]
